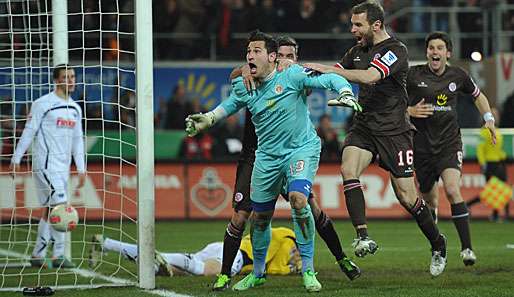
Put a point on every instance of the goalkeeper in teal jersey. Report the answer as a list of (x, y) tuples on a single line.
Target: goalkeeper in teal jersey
[(288, 147)]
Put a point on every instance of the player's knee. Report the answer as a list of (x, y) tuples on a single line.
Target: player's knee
[(261, 221), (297, 200), (240, 218), (453, 193), (348, 172)]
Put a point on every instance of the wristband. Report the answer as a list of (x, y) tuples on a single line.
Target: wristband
[(488, 116)]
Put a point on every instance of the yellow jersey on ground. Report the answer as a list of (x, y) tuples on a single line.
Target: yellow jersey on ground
[(282, 257)]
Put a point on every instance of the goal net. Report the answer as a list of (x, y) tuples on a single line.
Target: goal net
[(98, 40)]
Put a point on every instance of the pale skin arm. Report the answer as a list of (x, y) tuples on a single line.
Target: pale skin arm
[(368, 76), (421, 110), (483, 106)]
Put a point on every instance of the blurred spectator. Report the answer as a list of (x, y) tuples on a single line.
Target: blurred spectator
[(161, 116), (265, 17), (190, 14), (506, 118), (330, 148), (228, 135), (178, 108), (198, 147), (93, 116), (128, 109), (341, 26)]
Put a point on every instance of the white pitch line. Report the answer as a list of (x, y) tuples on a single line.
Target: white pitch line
[(166, 293), (82, 272), (90, 273)]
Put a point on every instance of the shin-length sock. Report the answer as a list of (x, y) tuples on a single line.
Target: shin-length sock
[(42, 240), (261, 236), (460, 218), (328, 233), (58, 238), (127, 250), (304, 229), (356, 205), (231, 244), (426, 223), (185, 262)]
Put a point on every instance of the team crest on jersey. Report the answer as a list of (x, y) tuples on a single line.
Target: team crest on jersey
[(452, 87), (238, 197), (389, 58), (278, 89), (210, 195), (377, 56)]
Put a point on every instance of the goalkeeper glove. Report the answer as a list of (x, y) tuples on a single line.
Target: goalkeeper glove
[(198, 122), (346, 99)]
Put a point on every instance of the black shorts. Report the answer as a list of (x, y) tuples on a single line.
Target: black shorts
[(497, 169), (394, 152), (241, 198), (429, 167)]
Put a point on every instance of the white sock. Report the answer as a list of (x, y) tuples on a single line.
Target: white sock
[(59, 238), (128, 250), (42, 240), (182, 261)]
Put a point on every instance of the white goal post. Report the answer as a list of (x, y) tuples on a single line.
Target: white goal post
[(109, 44)]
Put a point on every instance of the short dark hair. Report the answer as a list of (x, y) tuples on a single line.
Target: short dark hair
[(285, 40), (58, 69), (269, 42), (440, 35), (374, 11)]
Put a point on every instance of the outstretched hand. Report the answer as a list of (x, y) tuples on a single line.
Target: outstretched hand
[(346, 99), (421, 110), (492, 129), (198, 122), (319, 67)]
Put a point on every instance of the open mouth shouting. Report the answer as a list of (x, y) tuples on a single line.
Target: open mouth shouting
[(253, 68)]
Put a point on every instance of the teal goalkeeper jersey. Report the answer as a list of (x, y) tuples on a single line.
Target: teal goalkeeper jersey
[(279, 108)]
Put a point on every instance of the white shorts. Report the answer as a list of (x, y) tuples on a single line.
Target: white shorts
[(214, 251), (51, 187)]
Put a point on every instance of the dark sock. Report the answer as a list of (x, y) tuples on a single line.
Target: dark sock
[(231, 244), (362, 232), (475, 200), (327, 232), (433, 213), (460, 217), (426, 223), (355, 204)]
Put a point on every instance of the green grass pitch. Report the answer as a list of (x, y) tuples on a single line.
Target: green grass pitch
[(400, 267)]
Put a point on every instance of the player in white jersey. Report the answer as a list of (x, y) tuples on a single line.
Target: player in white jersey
[(55, 125)]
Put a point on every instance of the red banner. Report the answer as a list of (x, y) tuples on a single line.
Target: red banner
[(203, 191)]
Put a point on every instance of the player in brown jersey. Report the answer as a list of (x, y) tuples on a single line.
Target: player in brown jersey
[(379, 64), (287, 49), (433, 90)]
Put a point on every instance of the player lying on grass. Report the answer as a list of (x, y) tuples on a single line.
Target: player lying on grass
[(282, 258)]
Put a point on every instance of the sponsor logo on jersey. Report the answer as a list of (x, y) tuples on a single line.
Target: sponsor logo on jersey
[(389, 58), (64, 123), (452, 87), (442, 99), (210, 195), (422, 85), (278, 89), (271, 103)]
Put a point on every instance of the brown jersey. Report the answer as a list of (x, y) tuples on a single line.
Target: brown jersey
[(439, 132), (384, 103)]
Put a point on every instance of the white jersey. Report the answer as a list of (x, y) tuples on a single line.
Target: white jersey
[(56, 125)]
